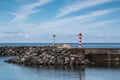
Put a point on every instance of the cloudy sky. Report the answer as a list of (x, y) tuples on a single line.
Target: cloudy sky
[(37, 20)]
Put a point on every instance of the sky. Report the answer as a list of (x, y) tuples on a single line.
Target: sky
[(36, 21)]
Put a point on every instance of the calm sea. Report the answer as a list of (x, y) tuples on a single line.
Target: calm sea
[(75, 45), (19, 72)]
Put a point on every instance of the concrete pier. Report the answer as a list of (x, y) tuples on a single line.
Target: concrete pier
[(103, 55)]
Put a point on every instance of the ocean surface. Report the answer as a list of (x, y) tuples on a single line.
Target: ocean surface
[(75, 45), (19, 72)]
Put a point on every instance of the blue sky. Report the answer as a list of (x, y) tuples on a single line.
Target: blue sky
[(37, 20)]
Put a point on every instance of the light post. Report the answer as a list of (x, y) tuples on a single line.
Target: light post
[(54, 40)]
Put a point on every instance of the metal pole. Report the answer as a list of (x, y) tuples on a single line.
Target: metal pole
[(54, 40)]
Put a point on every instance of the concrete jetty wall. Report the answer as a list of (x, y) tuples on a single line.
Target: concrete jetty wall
[(103, 55)]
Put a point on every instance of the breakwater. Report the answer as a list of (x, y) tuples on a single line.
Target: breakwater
[(43, 55), (59, 56)]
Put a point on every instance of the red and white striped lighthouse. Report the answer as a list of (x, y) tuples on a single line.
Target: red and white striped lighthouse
[(80, 40)]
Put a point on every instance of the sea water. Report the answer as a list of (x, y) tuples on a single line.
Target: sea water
[(20, 72), (74, 45)]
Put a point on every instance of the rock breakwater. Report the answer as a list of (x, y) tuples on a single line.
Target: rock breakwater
[(12, 51), (47, 56)]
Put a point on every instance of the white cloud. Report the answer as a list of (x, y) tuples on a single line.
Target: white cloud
[(70, 8), (96, 24), (101, 39), (78, 19), (3, 35), (67, 25), (73, 24), (23, 35), (28, 9), (15, 35)]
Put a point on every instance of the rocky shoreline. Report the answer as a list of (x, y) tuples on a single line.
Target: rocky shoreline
[(47, 56)]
